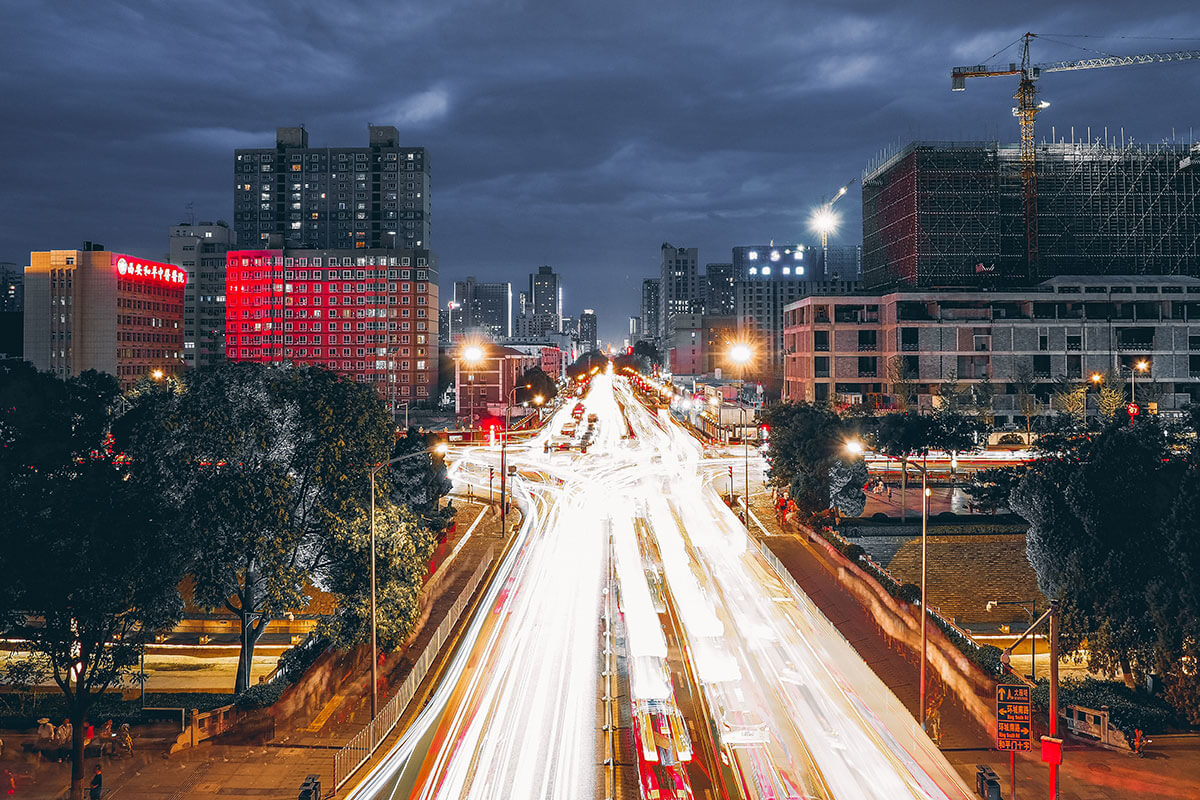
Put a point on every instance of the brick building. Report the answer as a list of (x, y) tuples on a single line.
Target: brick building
[(848, 349)]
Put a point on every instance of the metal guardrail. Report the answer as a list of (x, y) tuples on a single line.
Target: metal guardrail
[(364, 743)]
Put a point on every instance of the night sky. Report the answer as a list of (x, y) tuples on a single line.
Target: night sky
[(582, 135)]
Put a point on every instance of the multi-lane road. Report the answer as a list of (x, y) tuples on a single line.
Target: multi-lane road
[(742, 685)]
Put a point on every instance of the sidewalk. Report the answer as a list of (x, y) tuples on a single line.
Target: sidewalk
[(1171, 769), (274, 770)]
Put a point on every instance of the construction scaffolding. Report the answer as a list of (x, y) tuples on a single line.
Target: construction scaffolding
[(952, 214)]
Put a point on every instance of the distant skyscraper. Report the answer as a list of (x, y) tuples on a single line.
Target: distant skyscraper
[(766, 278), (540, 308), (718, 290), (483, 307), (587, 331), (635, 329), (679, 286), (200, 249), (650, 287), (12, 287), (333, 197)]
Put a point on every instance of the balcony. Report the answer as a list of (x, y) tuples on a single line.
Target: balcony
[(821, 373), (1135, 346), (821, 348), (910, 347), (864, 347)]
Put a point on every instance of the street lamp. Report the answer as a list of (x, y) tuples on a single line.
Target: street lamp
[(855, 447), (1134, 369), (1030, 608), (439, 448), (471, 355), (504, 460)]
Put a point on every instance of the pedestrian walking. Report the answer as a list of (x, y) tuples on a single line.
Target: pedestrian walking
[(10, 782), (889, 494), (97, 787)]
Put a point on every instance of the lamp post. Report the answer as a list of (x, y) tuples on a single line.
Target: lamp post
[(1134, 369), (855, 447), (441, 449), (1051, 615), (504, 459), (745, 462), (471, 355)]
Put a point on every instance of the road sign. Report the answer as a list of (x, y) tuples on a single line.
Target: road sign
[(1014, 729)]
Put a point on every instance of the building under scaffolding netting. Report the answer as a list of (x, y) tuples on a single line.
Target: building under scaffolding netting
[(952, 213)]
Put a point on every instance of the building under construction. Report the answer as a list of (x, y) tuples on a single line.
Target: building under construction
[(952, 214)]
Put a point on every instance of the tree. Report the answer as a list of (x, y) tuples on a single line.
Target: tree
[(903, 436), (1025, 385), (846, 481), (586, 363), (91, 561), (991, 488), (983, 395), (1083, 507), (419, 482), (540, 385), (903, 383), (647, 350), (1070, 399), (264, 464), (1111, 398), (951, 392), (404, 544), (807, 446)]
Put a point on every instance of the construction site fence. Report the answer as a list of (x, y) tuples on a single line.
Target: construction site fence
[(364, 743)]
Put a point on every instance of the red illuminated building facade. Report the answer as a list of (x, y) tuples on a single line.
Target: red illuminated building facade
[(111, 312), (367, 313)]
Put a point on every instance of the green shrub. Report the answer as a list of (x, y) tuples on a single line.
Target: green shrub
[(261, 695), (1127, 709)]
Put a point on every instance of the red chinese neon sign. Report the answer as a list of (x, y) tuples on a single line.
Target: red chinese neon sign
[(140, 268)]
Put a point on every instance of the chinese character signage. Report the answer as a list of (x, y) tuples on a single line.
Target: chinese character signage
[(1014, 727)]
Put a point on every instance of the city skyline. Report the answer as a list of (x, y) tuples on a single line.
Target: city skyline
[(586, 137)]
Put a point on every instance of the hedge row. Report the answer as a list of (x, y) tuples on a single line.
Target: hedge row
[(986, 656), (294, 662), (1128, 710)]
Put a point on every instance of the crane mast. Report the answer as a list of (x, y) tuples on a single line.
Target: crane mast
[(1027, 109)]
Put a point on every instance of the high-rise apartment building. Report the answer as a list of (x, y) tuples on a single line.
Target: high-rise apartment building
[(483, 308), (333, 197), (718, 289), (371, 314), (588, 331), (941, 214), (767, 278), (200, 248), (679, 286), (650, 292), (12, 287), (94, 309)]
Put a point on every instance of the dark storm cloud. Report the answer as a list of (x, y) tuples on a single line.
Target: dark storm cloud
[(576, 134)]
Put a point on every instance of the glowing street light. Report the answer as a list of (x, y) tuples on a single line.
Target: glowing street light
[(741, 354), (156, 374)]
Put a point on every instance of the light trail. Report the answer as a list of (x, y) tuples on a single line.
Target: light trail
[(515, 715)]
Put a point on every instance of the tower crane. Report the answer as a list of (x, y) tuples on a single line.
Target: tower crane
[(1028, 106)]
